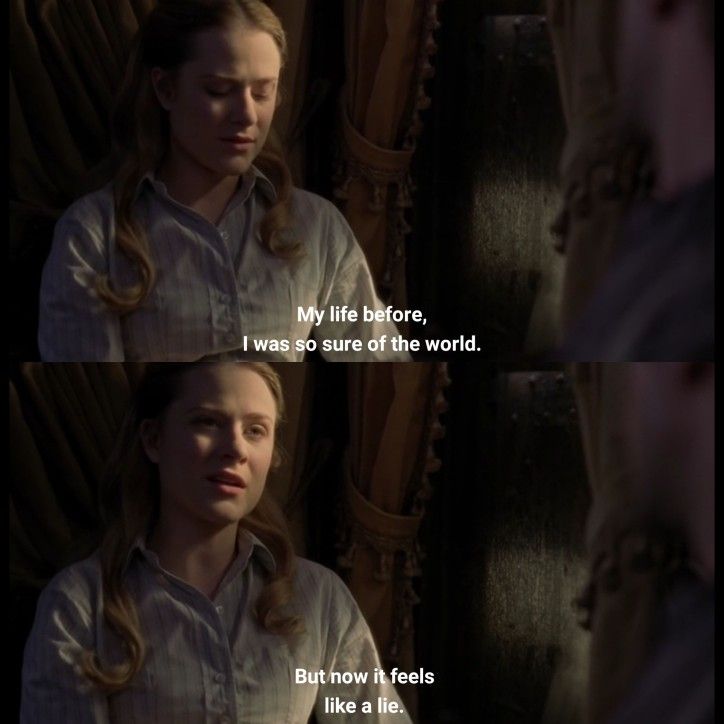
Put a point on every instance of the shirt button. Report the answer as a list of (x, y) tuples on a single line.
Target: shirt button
[(219, 609), (224, 235), (219, 678)]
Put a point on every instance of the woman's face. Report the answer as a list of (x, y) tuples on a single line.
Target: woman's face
[(213, 446), (221, 102)]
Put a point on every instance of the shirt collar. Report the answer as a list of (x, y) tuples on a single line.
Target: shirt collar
[(264, 184), (254, 178), (248, 546)]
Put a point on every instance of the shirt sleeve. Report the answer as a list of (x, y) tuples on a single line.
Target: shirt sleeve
[(352, 286), (351, 648), (74, 324), (54, 690)]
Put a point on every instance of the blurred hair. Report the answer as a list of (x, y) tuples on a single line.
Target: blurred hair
[(130, 505), (140, 129)]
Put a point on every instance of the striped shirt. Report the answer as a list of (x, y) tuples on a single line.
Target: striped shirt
[(218, 292), (207, 660)]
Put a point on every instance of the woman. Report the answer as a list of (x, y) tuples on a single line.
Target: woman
[(194, 607), (200, 246)]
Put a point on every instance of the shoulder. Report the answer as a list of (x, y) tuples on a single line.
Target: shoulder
[(311, 573), (331, 613), (85, 230), (321, 589), (65, 625), (77, 586), (319, 582), (87, 222), (94, 211), (309, 207), (319, 223)]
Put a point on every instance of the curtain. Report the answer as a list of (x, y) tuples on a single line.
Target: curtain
[(394, 421), (393, 409), (63, 423), (388, 44), (66, 60)]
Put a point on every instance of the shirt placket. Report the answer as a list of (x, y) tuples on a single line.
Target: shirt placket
[(221, 698), (222, 298), (219, 687), (220, 704), (242, 307)]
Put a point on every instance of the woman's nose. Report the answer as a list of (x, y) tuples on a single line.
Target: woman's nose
[(237, 444), (245, 108)]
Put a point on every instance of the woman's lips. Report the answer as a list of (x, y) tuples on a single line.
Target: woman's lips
[(240, 143), (227, 481)]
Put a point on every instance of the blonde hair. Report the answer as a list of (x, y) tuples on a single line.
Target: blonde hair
[(130, 502), (140, 131)]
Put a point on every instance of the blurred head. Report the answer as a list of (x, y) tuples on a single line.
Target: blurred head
[(212, 441), (652, 32), (670, 435)]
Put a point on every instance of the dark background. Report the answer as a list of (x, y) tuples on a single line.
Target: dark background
[(480, 258), (481, 254), (503, 538), (503, 543)]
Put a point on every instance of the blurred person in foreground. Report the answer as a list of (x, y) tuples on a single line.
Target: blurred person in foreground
[(670, 436), (657, 300)]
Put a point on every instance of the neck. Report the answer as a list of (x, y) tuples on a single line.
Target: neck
[(200, 556), (684, 127), (206, 192)]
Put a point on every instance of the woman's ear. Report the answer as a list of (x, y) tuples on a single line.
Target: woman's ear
[(164, 87), (149, 433)]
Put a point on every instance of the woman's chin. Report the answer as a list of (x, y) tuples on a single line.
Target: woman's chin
[(236, 165), (224, 514)]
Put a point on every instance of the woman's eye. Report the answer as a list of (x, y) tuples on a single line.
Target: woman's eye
[(216, 93), (256, 431), (205, 421)]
